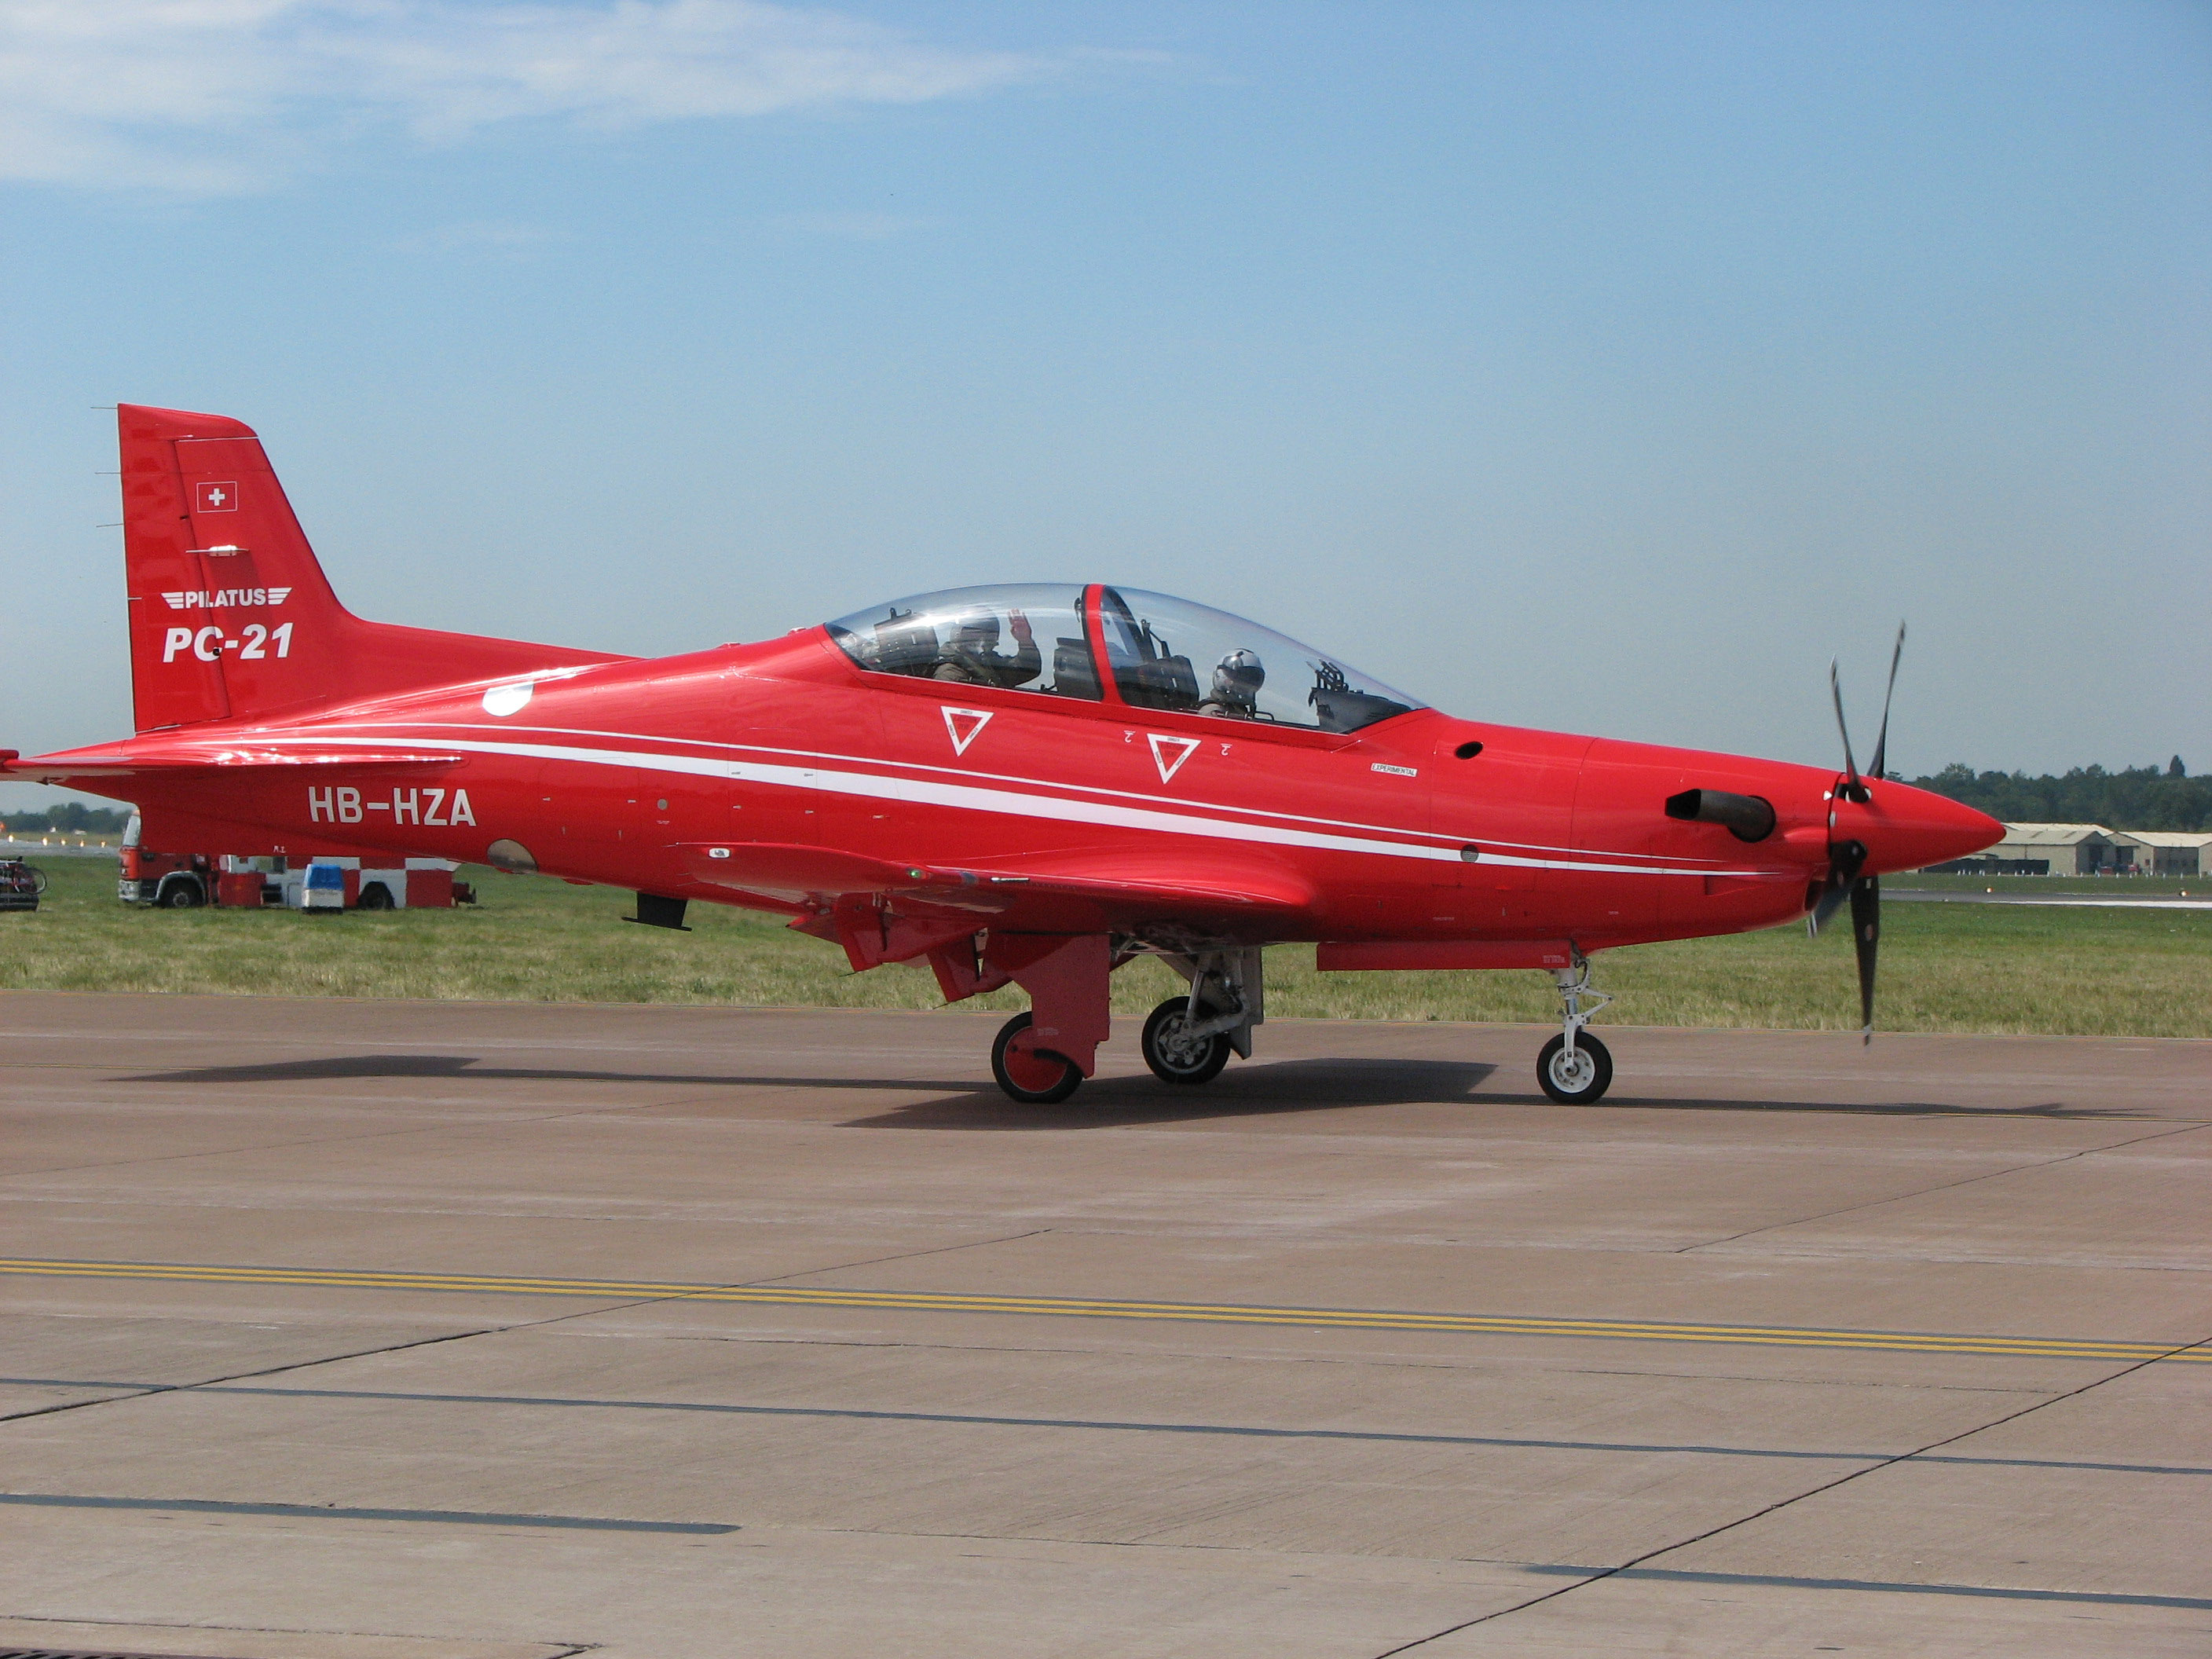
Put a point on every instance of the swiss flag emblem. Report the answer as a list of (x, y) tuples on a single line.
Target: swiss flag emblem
[(214, 497)]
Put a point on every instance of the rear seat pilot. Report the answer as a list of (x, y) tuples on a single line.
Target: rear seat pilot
[(1235, 693)]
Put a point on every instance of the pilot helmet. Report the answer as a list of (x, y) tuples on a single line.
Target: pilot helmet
[(1238, 676), (978, 630)]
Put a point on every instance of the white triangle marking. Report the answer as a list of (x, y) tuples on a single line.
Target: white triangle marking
[(1184, 748), (954, 718)]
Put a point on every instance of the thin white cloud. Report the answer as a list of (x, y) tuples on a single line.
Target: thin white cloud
[(213, 95)]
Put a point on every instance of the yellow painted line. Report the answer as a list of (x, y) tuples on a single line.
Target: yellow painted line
[(1365, 1319)]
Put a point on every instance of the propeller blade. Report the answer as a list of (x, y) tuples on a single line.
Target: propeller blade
[(1835, 689), (1845, 862), (1831, 901), (1882, 739), (1866, 940)]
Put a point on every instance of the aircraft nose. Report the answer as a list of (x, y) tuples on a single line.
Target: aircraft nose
[(1907, 828)]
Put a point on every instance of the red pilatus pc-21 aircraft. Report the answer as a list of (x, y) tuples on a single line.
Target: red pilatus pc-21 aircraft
[(1032, 784)]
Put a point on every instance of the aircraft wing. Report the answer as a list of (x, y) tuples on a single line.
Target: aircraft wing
[(1045, 893)]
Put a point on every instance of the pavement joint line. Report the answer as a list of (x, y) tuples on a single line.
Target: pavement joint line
[(1637, 1565), (151, 1389), (344, 1512), (904, 1255), (2032, 1166), (1885, 1586), (1173, 1312), (1238, 1431)]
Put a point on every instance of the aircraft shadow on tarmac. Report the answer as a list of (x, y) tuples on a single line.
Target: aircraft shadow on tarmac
[(1286, 1085), (336, 1067), (1279, 1086)]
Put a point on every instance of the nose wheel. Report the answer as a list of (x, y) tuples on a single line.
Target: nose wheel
[(1034, 1076), (1576, 1076), (1574, 1067)]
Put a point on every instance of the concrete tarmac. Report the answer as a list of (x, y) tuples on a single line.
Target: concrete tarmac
[(353, 1330)]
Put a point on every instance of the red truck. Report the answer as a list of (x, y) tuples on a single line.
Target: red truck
[(184, 881)]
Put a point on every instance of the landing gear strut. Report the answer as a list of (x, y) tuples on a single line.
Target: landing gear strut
[(1574, 1067)]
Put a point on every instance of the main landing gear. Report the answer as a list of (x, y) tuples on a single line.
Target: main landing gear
[(1187, 1039), (1176, 1049), (1574, 1067), (1034, 1076)]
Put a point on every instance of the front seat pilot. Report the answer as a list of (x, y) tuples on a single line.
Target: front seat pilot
[(972, 656)]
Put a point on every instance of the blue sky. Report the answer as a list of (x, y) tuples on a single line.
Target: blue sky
[(1605, 367)]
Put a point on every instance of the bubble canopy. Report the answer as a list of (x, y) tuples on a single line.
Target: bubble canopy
[(1160, 653)]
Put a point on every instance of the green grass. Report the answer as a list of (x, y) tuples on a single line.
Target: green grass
[(1944, 968)]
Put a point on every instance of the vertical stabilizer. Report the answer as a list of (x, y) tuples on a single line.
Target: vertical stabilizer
[(231, 615)]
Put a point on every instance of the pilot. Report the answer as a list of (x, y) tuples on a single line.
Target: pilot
[(972, 656), (1235, 695)]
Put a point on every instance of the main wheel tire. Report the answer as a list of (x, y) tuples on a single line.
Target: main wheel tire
[(1578, 1082), (375, 896), (1027, 1074), (1175, 1057), (181, 896)]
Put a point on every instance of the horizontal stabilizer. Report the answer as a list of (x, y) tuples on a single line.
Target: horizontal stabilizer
[(126, 761)]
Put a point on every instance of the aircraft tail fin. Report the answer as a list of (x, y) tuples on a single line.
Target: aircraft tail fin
[(231, 615)]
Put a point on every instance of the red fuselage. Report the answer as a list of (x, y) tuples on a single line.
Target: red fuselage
[(663, 775)]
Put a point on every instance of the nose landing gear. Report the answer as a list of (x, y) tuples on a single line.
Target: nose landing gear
[(1574, 1067)]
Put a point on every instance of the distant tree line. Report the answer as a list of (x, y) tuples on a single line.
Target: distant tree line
[(2134, 798), (71, 817)]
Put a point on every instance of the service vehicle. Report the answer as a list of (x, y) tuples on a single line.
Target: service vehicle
[(184, 881), (21, 884)]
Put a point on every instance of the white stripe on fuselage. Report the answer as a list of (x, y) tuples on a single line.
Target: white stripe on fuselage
[(1016, 802), (1452, 843)]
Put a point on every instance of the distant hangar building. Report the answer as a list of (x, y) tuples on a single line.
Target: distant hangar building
[(2065, 849), (2171, 851), (2090, 849)]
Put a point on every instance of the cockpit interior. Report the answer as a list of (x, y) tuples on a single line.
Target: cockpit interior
[(1160, 653)]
